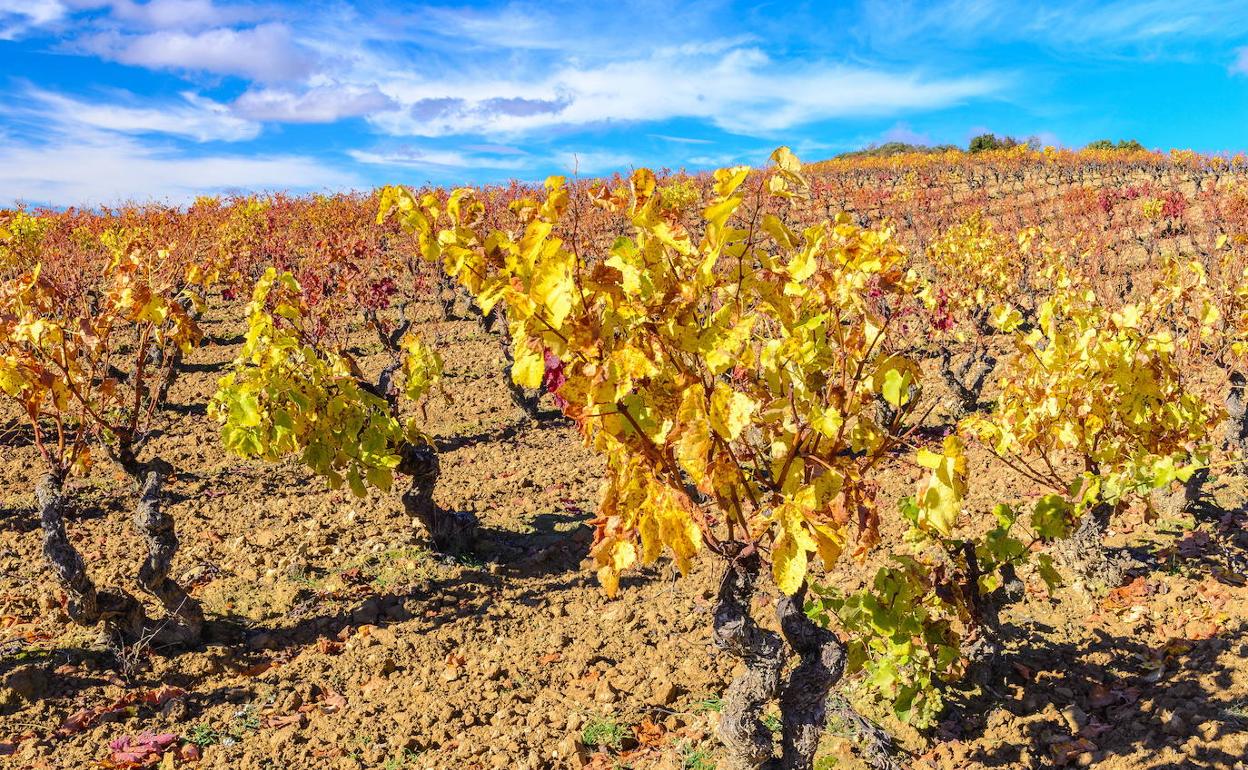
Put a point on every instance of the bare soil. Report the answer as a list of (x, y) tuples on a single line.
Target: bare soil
[(337, 640)]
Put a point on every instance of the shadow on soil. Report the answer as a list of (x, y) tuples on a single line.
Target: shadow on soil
[(1115, 696), (546, 419), (1144, 699)]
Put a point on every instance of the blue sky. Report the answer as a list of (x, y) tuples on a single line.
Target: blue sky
[(102, 100)]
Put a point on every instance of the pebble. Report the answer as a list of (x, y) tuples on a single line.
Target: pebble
[(1075, 718)]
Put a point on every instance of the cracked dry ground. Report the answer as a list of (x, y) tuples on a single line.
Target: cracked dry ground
[(338, 641)]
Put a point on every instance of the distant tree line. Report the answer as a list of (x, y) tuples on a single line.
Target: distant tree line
[(993, 142), (990, 141), (980, 143), (895, 148), (1109, 144)]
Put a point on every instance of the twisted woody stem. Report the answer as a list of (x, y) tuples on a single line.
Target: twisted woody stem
[(805, 696), (156, 528), (741, 728), (85, 605), (452, 532), (65, 561)]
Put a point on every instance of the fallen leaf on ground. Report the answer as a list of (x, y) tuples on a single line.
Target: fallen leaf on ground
[(333, 702), (285, 720), (139, 751)]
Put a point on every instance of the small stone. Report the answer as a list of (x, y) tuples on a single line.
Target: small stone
[(367, 612), (1174, 725), (27, 682), (1208, 730), (1075, 718), (262, 641), (664, 693), (604, 692)]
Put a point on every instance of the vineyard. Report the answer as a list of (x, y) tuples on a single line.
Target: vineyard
[(923, 460)]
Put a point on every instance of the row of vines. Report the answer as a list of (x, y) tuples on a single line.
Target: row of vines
[(750, 352)]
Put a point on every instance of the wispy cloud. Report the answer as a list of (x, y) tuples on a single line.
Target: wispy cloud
[(441, 159), (593, 162), (742, 90), (1240, 65), (902, 132), (573, 28), (1068, 24), (323, 104), (193, 117), (91, 168), (18, 17), (265, 53), (682, 139), (184, 14), (513, 26)]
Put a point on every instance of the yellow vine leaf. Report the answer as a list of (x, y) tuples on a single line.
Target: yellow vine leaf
[(553, 287), (941, 493), (730, 411), (789, 555), (694, 442)]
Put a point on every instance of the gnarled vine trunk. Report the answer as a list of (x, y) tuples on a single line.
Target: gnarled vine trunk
[(985, 651), (121, 614), (1084, 556), (447, 294), (966, 380), (65, 561), (804, 696), (452, 532), (1237, 412), (741, 728), (157, 530)]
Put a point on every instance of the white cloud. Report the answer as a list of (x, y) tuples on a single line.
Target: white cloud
[(568, 28), (593, 162), (740, 89), (1135, 22), (324, 104), (1093, 29), (266, 52), (510, 27), (494, 158), (94, 167), (681, 139), (902, 132), (440, 159), (17, 17), (196, 117), (1240, 65), (182, 14)]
